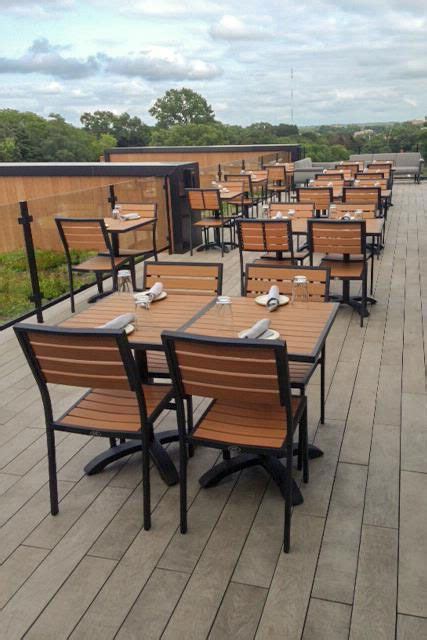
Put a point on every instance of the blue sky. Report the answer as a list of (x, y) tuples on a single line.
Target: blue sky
[(353, 60)]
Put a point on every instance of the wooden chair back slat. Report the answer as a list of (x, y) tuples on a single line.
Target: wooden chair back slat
[(178, 277), (83, 234), (363, 195), (204, 199), (226, 369), (330, 176), (259, 279), (341, 237), (71, 359), (368, 210), (277, 176), (145, 210), (353, 167), (321, 197), (302, 209), (372, 181), (265, 235)]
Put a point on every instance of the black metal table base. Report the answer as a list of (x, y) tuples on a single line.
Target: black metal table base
[(159, 456), (273, 466)]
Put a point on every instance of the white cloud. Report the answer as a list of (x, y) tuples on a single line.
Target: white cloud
[(170, 8), (163, 63), (231, 28)]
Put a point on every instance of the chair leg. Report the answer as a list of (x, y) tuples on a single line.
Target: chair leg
[(156, 259), (242, 275), (372, 272), (113, 442), (222, 240), (183, 486), (53, 483), (364, 295), (99, 282), (304, 425), (132, 272), (146, 493), (322, 385), (288, 498), (115, 279), (190, 424), (71, 283), (191, 234)]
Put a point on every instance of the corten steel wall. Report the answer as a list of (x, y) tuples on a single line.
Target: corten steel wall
[(205, 156), (79, 189)]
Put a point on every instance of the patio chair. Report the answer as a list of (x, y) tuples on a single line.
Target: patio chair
[(321, 197), (250, 199), (90, 234), (252, 407), (207, 204), (147, 211), (348, 239), (363, 195), (259, 279), (117, 404), (278, 182), (197, 278), (270, 236)]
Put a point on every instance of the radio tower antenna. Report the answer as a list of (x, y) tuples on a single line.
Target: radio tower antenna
[(292, 95)]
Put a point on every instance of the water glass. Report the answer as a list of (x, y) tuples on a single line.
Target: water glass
[(300, 289), (224, 311)]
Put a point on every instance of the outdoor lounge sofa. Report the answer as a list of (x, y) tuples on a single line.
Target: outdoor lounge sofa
[(406, 164)]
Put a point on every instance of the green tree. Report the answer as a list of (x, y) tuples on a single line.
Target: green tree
[(181, 106), (190, 135), (127, 130)]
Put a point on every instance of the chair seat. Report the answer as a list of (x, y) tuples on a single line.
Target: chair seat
[(261, 426), (115, 410), (208, 222), (98, 263), (344, 270)]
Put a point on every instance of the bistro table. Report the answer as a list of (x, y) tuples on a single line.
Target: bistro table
[(225, 195), (304, 326), (116, 228), (171, 313)]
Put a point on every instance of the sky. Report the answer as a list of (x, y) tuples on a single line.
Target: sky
[(352, 60)]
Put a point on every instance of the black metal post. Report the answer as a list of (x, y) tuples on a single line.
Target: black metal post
[(219, 172), (36, 296), (243, 165), (112, 199)]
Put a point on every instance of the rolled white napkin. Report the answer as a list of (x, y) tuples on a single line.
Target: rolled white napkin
[(119, 323), (273, 298), (278, 215), (256, 330), (156, 290)]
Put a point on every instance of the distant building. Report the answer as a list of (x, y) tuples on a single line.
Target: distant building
[(363, 133), (418, 123)]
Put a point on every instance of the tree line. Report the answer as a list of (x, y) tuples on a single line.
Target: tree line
[(184, 117)]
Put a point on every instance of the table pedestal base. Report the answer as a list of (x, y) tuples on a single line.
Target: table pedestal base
[(159, 456)]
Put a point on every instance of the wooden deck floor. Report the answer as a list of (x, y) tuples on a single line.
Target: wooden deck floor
[(358, 563)]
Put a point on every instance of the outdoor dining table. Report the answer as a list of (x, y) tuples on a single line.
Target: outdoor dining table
[(116, 228), (171, 313), (304, 326)]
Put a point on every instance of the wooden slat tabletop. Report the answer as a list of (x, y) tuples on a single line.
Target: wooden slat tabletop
[(304, 326), (121, 226), (171, 313), (229, 195)]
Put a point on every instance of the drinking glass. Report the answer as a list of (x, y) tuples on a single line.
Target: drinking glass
[(299, 289), (224, 311)]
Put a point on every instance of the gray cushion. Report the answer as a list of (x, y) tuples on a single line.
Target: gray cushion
[(409, 159), (399, 171), (305, 163)]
